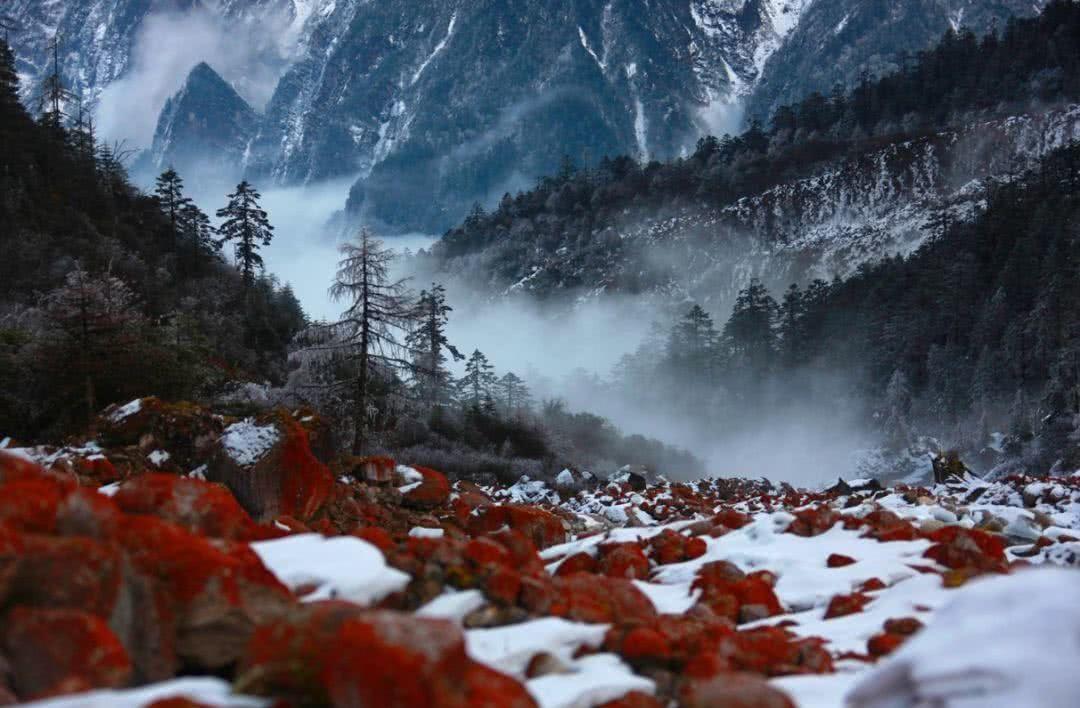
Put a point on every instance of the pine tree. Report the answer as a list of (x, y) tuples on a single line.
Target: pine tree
[(479, 381), (792, 327), (429, 346), (169, 191), (692, 344), (247, 224), (515, 394), (750, 332), (378, 308)]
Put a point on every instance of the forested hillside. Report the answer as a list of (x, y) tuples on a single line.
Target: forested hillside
[(915, 138), (107, 293)]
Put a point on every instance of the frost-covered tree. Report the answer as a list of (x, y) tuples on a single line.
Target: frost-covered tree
[(478, 385), (379, 310), (514, 393), (246, 223), (430, 347), (94, 318)]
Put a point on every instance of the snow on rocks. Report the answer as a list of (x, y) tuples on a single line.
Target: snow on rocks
[(321, 568), (247, 442), (622, 593)]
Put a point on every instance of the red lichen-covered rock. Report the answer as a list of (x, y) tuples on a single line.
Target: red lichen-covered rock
[(56, 651), (623, 560), (270, 469), (584, 597), (671, 547), (959, 548), (729, 593), (773, 651), (378, 537), (502, 585), (903, 626), (200, 507), (186, 430), (732, 690), (885, 526), (884, 643), (731, 519), (48, 505), (841, 605), (813, 521), (645, 643), (837, 560), (432, 491), (13, 467), (872, 585), (336, 654), (541, 527), (485, 551), (634, 699), (217, 594), (96, 468), (578, 563)]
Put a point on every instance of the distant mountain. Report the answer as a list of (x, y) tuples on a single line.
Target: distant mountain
[(839, 42), (205, 128), (438, 104)]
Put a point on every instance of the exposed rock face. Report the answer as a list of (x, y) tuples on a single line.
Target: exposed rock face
[(205, 128)]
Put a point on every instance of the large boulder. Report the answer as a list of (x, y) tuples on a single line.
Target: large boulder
[(542, 527), (333, 653), (200, 507), (186, 430), (56, 651), (268, 465)]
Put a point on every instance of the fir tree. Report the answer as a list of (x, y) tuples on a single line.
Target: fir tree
[(377, 309), (479, 380), (247, 224), (515, 394), (429, 347), (169, 191), (9, 78)]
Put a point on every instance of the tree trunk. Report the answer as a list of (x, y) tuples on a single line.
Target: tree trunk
[(360, 413)]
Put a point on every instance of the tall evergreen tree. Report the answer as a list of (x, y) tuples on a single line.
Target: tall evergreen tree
[(429, 347), (478, 384), (169, 191), (750, 333), (515, 394), (377, 309), (247, 224), (9, 78), (692, 345)]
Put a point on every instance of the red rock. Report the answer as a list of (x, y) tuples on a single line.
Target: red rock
[(624, 560), (731, 594), (306, 482), (503, 585), (634, 699), (903, 626), (841, 605), (578, 563), (432, 492), (336, 654), (732, 690), (97, 468), (49, 506), (584, 597), (645, 643), (13, 467), (541, 527), (729, 518), (813, 521), (884, 644), (484, 551), (836, 560), (377, 537), (885, 526), (200, 507), (959, 548), (218, 594), (695, 548), (871, 585), (57, 651), (772, 651)]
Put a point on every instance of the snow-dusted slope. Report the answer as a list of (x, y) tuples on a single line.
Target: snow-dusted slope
[(857, 209)]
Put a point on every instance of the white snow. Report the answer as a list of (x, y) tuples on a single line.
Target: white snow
[(341, 567), (246, 443), (109, 489), (453, 605), (158, 457), (509, 649), (640, 129), (126, 410), (1000, 642), (592, 680), (211, 691), (438, 48), (585, 44), (425, 532)]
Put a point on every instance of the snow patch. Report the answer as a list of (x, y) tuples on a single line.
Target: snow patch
[(246, 443)]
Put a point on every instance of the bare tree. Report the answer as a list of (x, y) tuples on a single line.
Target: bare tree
[(379, 311)]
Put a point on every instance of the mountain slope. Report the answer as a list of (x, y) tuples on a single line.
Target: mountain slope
[(839, 42), (205, 128)]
